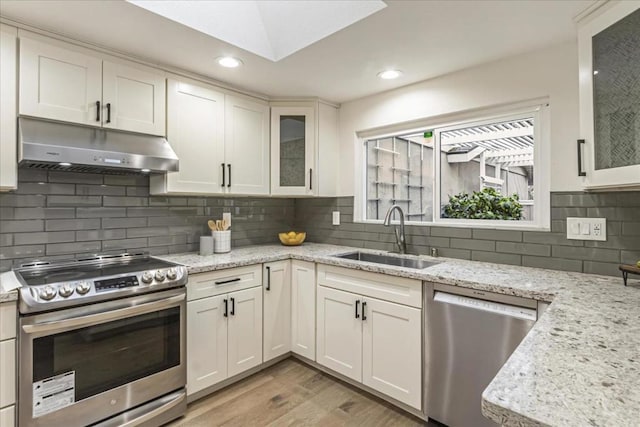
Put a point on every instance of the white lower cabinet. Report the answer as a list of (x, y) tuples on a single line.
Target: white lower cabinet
[(392, 350), (244, 338), (372, 341), (340, 332), (303, 308), (206, 343), (8, 416), (224, 326), (277, 309)]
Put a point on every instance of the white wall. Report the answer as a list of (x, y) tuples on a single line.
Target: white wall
[(552, 73)]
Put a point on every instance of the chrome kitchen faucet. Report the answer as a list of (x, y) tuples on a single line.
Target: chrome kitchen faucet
[(400, 237)]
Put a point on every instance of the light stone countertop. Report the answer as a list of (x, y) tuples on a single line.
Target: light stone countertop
[(579, 365)]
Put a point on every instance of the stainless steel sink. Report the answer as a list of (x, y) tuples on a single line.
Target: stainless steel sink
[(399, 261)]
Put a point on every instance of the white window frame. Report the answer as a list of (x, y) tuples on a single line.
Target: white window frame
[(538, 109)]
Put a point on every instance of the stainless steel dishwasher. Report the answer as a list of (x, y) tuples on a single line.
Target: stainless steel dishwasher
[(470, 335)]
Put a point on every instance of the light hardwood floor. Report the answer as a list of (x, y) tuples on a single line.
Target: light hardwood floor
[(291, 393)]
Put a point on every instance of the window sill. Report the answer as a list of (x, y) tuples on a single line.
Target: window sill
[(499, 225)]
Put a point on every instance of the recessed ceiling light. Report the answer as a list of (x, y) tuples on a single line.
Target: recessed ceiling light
[(390, 74), (64, 164), (229, 61)]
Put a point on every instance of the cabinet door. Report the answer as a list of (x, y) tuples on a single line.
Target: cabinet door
[(293, 151), (59, 84), (303, 308), (8, 103), (134, 99), (195, 130), (277, 309), (206, 343), (340, 332), (8, 417), (392, 350), (7, 372), (245, 330), (610, 96), (246, 146)]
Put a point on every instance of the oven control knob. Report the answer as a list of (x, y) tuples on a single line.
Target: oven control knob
[(83, 287), (159, 275), (147, 277), (47, 293), (65, 290), (172, 274)]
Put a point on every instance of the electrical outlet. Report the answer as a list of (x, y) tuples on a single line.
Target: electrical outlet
[(587, 228), (227, 216), (336, 217)]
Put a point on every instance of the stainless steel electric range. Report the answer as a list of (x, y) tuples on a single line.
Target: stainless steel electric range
[(102, 342)]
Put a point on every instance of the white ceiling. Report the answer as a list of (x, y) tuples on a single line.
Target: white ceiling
[(424, 39), (257, 25)]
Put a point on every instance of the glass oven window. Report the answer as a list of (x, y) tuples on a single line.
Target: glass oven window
[(111, 354)]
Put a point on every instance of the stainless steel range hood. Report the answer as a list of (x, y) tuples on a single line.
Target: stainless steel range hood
[(62, 146)]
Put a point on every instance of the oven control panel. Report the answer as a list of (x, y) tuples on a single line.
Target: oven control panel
[(75, 290), (117, 283)]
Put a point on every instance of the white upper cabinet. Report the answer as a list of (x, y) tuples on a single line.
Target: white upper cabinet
[(304, 149), (59, 84), (8, 104), (195, 130), (292, 150), (609, 58), (246, 146), (134, 99), (222, 142), (69, 85)]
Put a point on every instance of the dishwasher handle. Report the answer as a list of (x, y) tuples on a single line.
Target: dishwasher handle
[(502, 309)]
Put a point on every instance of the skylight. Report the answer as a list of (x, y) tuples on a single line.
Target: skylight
[(271, 29)]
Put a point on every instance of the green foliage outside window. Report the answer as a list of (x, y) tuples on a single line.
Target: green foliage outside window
[(484, 204)]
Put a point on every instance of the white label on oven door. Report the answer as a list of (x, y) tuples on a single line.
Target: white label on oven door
[(53, 393)]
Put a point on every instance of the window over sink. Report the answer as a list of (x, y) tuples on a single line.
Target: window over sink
[(491, 171)]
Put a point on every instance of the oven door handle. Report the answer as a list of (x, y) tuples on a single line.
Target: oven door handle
[(93, 319)]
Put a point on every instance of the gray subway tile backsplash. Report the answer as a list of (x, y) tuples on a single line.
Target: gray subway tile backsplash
[(529, 248), (57, 215)]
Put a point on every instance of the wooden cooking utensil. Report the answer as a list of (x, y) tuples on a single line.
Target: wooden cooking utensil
[(212, 225)]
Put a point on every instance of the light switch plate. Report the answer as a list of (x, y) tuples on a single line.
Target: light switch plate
[(587, 228), (336, 217), (227, 216)]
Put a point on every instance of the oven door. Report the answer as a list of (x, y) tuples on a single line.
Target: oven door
[(86, 364)]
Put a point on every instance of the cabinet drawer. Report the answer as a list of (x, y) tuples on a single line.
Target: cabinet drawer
[(7, 320), (7, 416), (389, 288), (7, 372), (204, 285)]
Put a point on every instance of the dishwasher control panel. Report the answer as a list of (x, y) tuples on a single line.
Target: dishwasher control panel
[(491, 306)]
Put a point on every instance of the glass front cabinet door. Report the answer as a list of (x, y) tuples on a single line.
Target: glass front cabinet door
[(293, 151), (609, 54)]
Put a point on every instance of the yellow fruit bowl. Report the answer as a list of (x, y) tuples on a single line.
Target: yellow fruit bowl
[(292, 238)]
